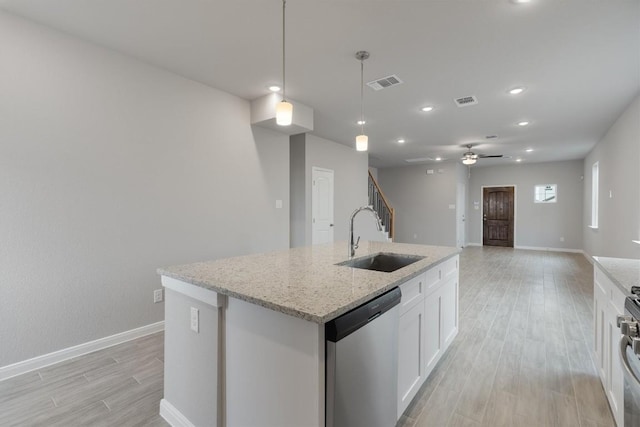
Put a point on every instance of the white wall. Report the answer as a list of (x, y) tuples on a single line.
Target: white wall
[(424, 204), (536, 225), (618, 154), (109, 169)]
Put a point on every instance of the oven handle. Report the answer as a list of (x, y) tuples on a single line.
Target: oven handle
[(625, 360)]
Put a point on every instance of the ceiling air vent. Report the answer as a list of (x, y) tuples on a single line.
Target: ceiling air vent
[(385, 82), (465, 101)]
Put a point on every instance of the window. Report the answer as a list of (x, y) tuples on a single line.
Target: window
[(594, 195), (545, 193)]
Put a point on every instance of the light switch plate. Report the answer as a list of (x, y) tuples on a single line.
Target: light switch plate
[(195, 320), (157, 296), (278, 204)]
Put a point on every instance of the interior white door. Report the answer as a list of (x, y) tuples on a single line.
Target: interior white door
[(461, 209), (321, 206)]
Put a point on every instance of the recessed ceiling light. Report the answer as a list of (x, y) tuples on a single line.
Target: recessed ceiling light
[(528, 150), (361, 122), (524, 123), (274, 88), (437, 159), (521, 1), (518, 160), (401, 141), (427, 109), (516, 90)]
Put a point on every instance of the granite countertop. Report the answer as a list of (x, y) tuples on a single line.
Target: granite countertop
[(625, 273), (304, 282)]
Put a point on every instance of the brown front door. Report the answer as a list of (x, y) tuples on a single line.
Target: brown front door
[(497, 216)]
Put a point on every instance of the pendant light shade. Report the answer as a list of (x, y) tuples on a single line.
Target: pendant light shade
[(284, 109), (362, 140), (362, 143), (284, 113)]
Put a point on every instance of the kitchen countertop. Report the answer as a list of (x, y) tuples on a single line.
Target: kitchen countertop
[(625, 273), (304, 282)]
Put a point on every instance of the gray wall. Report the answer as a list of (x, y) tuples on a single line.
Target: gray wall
[(109, 169), (298, 191), (350, 185), (537, 225), (423, 203), (618, 154)]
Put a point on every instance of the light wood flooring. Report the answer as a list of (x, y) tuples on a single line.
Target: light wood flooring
[(118, 386), (522, 358)]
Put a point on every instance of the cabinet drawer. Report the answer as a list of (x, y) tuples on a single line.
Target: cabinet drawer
[(412, 293)]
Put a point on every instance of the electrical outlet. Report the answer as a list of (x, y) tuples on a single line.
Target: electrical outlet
[(157, 295), (195, 320)]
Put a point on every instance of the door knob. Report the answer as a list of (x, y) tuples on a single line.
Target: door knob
[(330, 225)]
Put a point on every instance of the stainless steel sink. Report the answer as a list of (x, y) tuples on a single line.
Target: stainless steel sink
[(386, 262)]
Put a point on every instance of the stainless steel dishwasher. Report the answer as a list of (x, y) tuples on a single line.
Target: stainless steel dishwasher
[(361, 369)]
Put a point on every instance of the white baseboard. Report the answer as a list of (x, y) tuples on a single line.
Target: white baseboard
[(473, 244), (173, 416), (78, 350), (588, 256), (537, 248)]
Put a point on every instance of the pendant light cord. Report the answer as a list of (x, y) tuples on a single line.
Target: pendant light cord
[(284, 2), (362, 95)]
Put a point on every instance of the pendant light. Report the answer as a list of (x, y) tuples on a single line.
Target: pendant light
[(362, 140), (284, 109)]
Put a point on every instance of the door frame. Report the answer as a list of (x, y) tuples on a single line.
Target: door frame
[(515, 211)]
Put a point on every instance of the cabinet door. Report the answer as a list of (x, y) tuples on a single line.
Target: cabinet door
[(410, 353), (616, 379), (432, 339), (449, 311)]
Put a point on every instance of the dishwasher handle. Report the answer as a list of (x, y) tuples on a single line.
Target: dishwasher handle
[(351, 321)]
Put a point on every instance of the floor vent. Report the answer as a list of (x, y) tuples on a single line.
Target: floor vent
[(465, 101), (385, 82)]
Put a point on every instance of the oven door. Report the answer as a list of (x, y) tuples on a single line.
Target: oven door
[(631, 369)]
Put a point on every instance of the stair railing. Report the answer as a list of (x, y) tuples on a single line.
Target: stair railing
[(381, 205)]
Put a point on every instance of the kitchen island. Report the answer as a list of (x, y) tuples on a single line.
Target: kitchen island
[(244, 336)]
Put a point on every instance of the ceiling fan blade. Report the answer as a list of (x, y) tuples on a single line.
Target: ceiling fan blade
[(482, 156)]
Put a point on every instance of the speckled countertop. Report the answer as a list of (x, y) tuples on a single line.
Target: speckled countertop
[(305, 282), (625, 273)]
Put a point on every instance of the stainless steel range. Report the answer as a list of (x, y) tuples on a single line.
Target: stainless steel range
[(630, 358)]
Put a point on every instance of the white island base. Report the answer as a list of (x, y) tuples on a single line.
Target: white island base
[(239, 364), (273, 363)]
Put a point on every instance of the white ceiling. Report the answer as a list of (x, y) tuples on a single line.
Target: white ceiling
[(579, 60)]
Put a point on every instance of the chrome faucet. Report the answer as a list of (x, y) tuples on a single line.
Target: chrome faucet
[(354, 246)]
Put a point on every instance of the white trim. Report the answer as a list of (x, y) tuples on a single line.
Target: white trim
[(593, 227), (199, 293), (588, 257), (515, 209), (39, 362), (538, 248), (474, 244), (171, 415)]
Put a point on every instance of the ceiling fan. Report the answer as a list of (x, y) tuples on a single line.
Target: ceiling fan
[(469, 158)]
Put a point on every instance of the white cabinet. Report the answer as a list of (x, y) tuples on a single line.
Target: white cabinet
[(410, 365), (428, 325), (608, 303)]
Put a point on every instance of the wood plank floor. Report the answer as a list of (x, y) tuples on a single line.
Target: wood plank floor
[(118, 386), (523, 353), (522, 358)]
